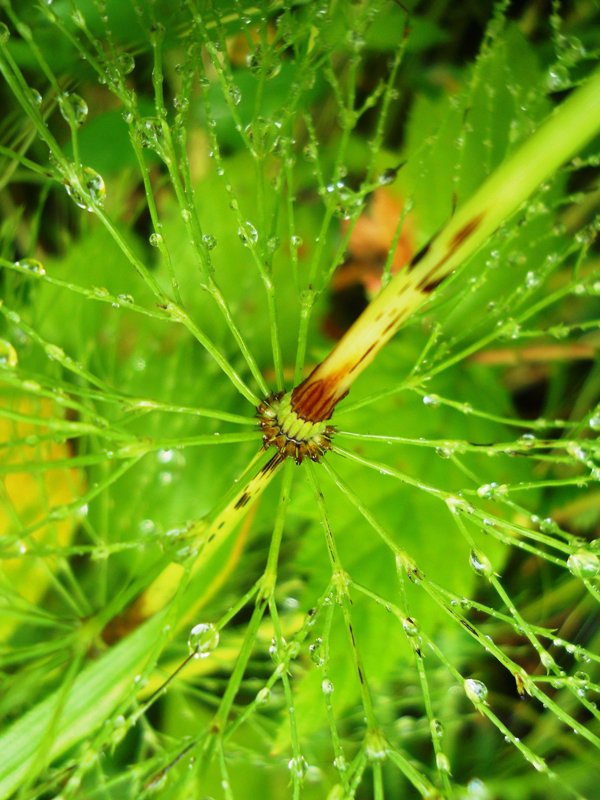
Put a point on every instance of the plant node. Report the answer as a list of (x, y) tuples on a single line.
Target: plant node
[(292, 435)]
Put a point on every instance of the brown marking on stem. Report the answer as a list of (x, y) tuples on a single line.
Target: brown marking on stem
[(315, 400), (468, 626), (393, 323), (243, 500), (272, 464), (459, 237), (420, 255), (429, 284), (464, 233), (362, 358)]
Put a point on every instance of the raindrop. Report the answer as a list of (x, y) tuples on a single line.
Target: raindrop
[(73, 108), (480, 564), (36, 97), (532, 279), (327, 687), (248, 234), (340, 763), (547, 660), (584, 564), (431, 400), (95, 190), (126, 63), (442, 762), (150, 133), (155, 239), (203, 639), (31, 265), (209, 241), (437, 729), (557, 78), (298, 766), (315, 652), (263, 696), (235, 94), (594, 421), (476, 691)]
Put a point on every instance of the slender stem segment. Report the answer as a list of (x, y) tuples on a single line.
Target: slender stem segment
[(563, 134)]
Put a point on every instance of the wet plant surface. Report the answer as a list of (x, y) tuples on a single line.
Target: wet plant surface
[(387, 585)]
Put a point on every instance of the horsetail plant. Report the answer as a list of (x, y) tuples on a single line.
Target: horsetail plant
[(215, 580)]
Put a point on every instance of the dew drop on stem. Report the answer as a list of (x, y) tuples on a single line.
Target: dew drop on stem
[(584, 564), (8, 355), (209, 241), (73, 108), (476, 691), (298, 767), (92, 191), (203, 640), (480, 564), (31, 265), (248, 234)]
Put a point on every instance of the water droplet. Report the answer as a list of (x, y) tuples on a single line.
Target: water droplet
[(442, 762), (327, 686), (340, 763), (584, 564), (594, 421), (547, 660), (457, 505), (480, 563), (150, 133), (310, 152), (248, 234), (557, 78), (209, 241), (203, 639), (315, 652), (31, 265), (410, 626), (126, 63), (8, 355), (431, 400), (235, 94), (527, 440), (147, 527), (532, 279), (155, 239), (263, 696), (94, 190), (387, 176), (548, 525), (73, 108), (437, 729), (476, 691), (298, 767), (36, 97)]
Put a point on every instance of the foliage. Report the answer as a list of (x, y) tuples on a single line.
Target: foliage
[(184, 194)]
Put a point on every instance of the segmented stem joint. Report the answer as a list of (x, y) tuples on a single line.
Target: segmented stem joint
[(292, 435)]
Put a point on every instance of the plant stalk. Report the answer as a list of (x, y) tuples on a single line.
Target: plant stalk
[(569, 128)]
